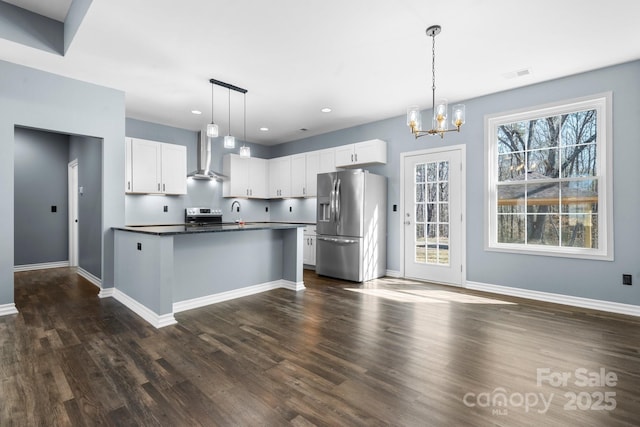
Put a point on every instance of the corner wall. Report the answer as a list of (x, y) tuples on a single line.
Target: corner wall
[(40, 100)]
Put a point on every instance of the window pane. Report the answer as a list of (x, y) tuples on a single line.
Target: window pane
[(432, 192), (432, 172), (444, 191), (513, 137), (580, 231), (580, 196), (543, 230), (511, 228), (431, 212), (420, 212), (543, 198), (419, 193), (420, 172), (511, 167), (545, 133), (511, 198), (444, 212), (542, 164), (579, 128), (443, 171), (579, 160)]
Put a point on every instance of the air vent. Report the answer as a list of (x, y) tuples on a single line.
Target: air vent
[(518, 73)]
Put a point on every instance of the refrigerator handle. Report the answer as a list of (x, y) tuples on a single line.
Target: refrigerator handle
[(332, 201), (337, 197)]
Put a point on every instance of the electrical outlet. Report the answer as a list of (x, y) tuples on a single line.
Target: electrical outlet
[(395, 208), (290, 208), (54, 209), (266, 208), (166, 208), (627, 279), (139, 246)]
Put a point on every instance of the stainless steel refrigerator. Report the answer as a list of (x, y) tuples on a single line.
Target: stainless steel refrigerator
[(351, 240)]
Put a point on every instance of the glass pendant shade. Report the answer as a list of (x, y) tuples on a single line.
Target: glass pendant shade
[(457, 116), (414, 118), (440, 115), (245, 151), (229, 141), (212, 130)]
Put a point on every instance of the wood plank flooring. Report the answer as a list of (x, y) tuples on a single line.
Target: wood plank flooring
[(388, 352)]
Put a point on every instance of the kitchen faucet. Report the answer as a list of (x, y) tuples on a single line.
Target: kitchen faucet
[(238, 220)]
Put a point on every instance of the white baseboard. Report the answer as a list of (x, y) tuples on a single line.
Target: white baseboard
[(90, 277), (612, 307), (40, 266), (106, 292), (156, 320), (6, 309), (236, 293), (393, 273)]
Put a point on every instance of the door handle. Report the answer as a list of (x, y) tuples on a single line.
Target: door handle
[(407, 222)]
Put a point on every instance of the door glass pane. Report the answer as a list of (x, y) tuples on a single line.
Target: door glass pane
[(432, 213)]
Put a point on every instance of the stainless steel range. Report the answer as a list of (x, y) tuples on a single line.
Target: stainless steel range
[(202, 216)]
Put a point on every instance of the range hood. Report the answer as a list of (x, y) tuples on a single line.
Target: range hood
[(203, 170)]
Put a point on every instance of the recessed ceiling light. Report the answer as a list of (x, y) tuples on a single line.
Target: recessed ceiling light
[(326, 110), (197, 112), (264, 129)]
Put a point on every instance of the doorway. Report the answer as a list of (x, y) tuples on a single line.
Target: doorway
[(433, 221), (73, 213)]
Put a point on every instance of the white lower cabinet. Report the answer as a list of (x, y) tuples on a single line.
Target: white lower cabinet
[(309, 248)]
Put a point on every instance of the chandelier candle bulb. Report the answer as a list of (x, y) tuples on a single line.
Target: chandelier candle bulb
[(414, 119), (440, 115), (458, 115)]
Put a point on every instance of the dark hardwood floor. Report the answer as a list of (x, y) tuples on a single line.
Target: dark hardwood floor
[(389, 352)]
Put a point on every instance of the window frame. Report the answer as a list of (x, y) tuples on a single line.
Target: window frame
[(602, 103)]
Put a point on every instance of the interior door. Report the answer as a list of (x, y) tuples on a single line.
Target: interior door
[(73, 212), (432, 217)]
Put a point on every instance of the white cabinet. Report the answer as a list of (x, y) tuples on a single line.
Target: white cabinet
[(173, 168), (309, 248), (311, 173), (155, 167), (280, 177), (361, 153), (327, 160), (247, 177), (298, 178)]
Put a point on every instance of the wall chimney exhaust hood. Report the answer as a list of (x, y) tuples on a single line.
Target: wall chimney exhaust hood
[(203, 166)]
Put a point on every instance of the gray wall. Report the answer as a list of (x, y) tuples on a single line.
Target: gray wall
[(41, 161), (583, 278), (36, 99), (88, 152)]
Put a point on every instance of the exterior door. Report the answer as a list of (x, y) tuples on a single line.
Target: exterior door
[(433, 216)]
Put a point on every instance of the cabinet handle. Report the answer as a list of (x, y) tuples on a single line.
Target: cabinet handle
[(164, 188), (158, 186), (251, 192), (304, 190), (352, 158), (356, 157), (128, 185)]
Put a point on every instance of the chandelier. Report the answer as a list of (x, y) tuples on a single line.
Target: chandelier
[(439, 124)]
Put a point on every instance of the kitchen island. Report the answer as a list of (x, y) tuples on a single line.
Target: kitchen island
[(166, 269)]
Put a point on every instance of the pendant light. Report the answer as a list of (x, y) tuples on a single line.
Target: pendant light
[(212, 128), (440, 108), (229, 141), (244, 150)]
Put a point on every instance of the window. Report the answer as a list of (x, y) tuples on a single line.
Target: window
[(549, 180)]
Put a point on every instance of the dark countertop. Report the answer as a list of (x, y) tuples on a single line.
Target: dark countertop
[(171, 230)]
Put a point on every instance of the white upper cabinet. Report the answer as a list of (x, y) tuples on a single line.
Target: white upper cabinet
[(280, 177), (173, 168), (311, 173), (327, 160), (361, 153), (155, 167), (298, 178), (247, 177)]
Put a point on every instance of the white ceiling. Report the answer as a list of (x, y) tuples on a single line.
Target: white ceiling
[(365, 59)]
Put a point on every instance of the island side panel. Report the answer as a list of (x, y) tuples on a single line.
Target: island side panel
[(293, 255), (146, 274), (211, 263)]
